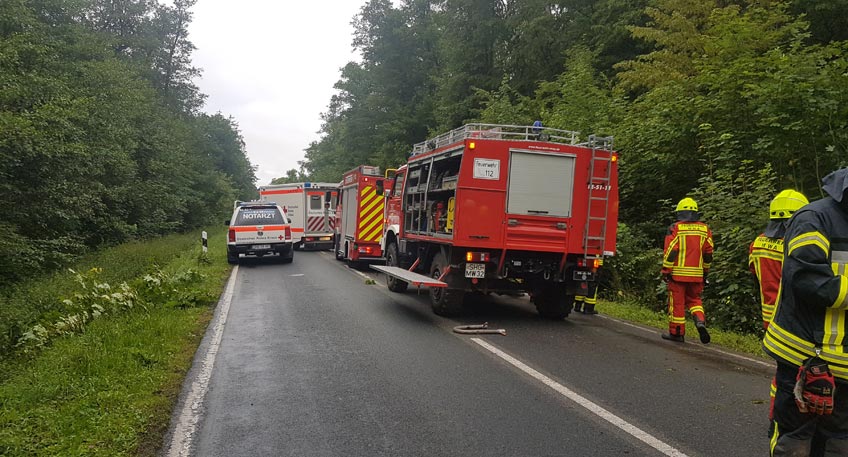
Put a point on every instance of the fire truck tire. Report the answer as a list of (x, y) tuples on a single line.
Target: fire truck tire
[(444, 301), (339, 255), (392, 260), (553, 303)]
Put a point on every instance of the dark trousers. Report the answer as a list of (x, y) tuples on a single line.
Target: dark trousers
[(797, 434)]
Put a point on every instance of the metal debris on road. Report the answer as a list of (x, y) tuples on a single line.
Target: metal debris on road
[(479, 329)]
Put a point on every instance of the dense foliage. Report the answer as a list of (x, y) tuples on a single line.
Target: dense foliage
[(101, 137), (726, 101)]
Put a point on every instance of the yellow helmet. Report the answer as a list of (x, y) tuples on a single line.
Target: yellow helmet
[(687, 204), (785, 203)]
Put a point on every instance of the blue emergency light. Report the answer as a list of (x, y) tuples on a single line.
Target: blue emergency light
[(307, 185)]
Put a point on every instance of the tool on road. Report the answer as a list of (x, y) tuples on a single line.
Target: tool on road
[(479, 329)]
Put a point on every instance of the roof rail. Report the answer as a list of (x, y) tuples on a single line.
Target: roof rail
[(497, 132)]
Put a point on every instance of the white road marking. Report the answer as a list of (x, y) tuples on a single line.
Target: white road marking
[(592, 407), (186, 428), (296, 275)]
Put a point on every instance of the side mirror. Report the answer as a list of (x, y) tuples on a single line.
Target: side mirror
[(227, 222), (380, 189)]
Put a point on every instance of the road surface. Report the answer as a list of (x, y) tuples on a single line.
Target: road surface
[(308, 359)]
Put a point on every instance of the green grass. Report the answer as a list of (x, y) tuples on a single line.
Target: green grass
[(634, 312), (40, 299), (110, 390)]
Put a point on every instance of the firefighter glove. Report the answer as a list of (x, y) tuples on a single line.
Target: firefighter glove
[(666, 276), (814, 387)]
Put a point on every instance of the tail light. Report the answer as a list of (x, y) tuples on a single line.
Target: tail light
[(288, 233), (476, 256), (232, 236)]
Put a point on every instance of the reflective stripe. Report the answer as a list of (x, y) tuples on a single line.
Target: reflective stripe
[(696, 309), (809, 238), (841, 303), (763, 254), (834, 324)]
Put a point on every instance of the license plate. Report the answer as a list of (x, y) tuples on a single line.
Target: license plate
[(475, 270), (261, 246), (584, 276)]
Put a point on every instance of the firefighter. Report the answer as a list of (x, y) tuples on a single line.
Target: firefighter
[(765, 259), (586, 303), (686, 261), (765, 255), (807, 335)]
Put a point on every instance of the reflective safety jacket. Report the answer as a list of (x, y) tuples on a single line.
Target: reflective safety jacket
[(813, 299), (688, 251), (765, 259)]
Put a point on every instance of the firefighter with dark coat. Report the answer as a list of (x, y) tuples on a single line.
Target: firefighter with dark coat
[(686, 261), (765, 256), (807, 335)]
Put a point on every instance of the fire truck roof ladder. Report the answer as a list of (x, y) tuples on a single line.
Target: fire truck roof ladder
[(599, 191), (496, 132)]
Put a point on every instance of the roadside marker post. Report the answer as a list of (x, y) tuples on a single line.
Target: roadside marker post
[(203, 240)]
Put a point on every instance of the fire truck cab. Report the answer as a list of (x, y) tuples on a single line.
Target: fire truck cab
[(309, 207), (502, 209), (359, 215)]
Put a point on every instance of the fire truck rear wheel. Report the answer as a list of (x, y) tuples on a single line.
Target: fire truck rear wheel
[(339, 254), (553, 303), (392, 260), (445, 301)]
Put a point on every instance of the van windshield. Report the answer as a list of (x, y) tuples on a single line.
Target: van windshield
[(260, 216)]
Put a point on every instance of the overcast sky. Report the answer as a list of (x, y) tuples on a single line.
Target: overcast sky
[(272, 65)]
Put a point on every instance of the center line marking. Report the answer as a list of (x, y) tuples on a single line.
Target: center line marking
[(592, 407)]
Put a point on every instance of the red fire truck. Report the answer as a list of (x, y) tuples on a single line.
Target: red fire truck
[(359, 215), (502, 209)]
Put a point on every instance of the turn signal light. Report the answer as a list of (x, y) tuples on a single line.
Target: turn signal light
[(472, 145)]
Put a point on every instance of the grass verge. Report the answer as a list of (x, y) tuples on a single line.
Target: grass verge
[(634, 312), (110, 389)]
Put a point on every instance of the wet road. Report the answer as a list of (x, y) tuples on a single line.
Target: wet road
[(313, 361)]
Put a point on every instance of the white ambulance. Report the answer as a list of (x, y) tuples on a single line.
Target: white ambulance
[(310, 207)]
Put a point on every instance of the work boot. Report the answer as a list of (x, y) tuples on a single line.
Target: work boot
[(670, 337), (702, 331), (578, 307), (589, 309)]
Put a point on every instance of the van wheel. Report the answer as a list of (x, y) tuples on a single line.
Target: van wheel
[(289, 258), (392, 260), (445, 301), (232, 259), (552, 302)]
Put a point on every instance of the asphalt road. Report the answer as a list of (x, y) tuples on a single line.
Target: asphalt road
[(313, 361)]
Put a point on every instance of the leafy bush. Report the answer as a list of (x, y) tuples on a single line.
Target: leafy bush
[(634, 271)]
